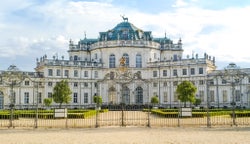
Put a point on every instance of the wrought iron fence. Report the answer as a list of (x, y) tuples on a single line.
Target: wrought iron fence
[(123, 115)]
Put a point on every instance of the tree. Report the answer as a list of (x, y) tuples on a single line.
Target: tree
[(154, 100), (62, 93), (197, 102), (47, 102), (98, 100), (186, 92)]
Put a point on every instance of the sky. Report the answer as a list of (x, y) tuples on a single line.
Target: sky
[(29, 29)]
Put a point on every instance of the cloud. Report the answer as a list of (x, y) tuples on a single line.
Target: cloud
[(34, 29), (179, 3)]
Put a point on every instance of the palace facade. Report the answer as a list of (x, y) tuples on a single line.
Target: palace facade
[(127, 65)]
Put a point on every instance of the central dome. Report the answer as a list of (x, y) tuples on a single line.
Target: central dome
[(127, 26), (124, 31)]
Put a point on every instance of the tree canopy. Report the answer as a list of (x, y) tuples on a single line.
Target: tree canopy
[(186, 92), (47, 101), (98, 100), (62, 93), (154, 100)]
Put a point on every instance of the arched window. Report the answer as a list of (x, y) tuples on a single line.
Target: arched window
[(112, 61), (138, 95), (127, 59), (125, 95), (75, 58), (138, 61), (112, 95)]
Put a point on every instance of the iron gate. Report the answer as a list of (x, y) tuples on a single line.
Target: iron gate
[(124, 115)]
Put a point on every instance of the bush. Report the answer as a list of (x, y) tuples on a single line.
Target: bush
[(241, 114), (7, 116), (76, 115)]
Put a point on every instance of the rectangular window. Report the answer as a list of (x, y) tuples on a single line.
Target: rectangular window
[(165, 95), (155, 84), (26, 98), (86, 74), (165, 73), (75, 73), (49, 94), (201, 94), (201, 82), (86, 98), (50, 72), (27, 83), (75, 98), (75, 84), (211, 82), (175, 72), (39, 98), (66, 73), (154, 73), (175, 97), (85, 84), (96, 74), (184, 71), (58, 72), (212, 96), (200, 70), (237, 95), (192, 71), (96, 85), (224, 93)]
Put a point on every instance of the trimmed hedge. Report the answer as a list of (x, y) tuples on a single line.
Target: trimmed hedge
[(7, 116), (49, 114), (241, 114), (175, 114)]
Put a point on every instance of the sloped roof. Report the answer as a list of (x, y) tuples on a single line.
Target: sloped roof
[(124, 31)]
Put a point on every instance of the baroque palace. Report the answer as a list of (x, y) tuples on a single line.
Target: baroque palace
[(126, 65)]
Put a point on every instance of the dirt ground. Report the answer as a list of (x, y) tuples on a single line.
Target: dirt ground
[(127, 135)]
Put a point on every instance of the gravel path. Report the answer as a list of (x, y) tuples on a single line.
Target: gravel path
[(127, 135)]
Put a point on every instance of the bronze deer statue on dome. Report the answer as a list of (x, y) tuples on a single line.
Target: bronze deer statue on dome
[(124, 18)]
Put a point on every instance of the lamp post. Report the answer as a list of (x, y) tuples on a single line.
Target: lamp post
[(12, 77), (209, 81), (233, 76), (37, 101)]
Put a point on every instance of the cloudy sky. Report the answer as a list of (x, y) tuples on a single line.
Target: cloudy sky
[(30, 29)]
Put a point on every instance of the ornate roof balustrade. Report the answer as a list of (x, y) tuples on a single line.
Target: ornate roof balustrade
[(50, 62), (182, 62), (125, 43)]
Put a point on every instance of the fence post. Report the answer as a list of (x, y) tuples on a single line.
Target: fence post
[(96, 120), (179, 112), (66, 117), (11, 117), (149, 125), (36, 118), (208, 104)]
